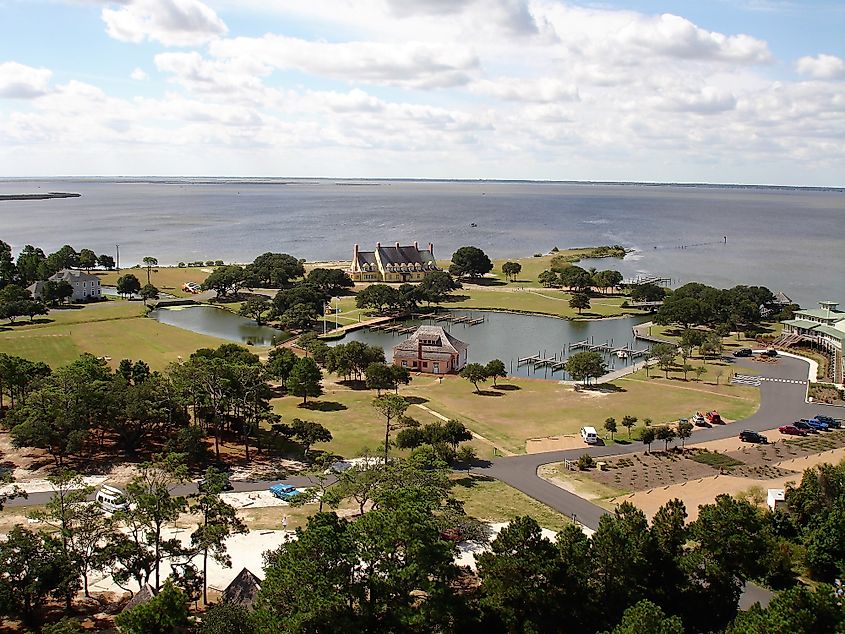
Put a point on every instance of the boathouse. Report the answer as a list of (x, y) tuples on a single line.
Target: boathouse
[(433, 350), (395, 263)]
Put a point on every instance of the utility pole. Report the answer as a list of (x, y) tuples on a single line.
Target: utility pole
[(117, 248)]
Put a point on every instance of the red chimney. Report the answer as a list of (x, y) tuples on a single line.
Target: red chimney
[(431, 248), (355, 258)]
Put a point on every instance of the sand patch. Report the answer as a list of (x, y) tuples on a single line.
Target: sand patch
[(554, 443)]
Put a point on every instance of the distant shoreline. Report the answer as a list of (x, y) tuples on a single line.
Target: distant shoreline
[(44, 196)]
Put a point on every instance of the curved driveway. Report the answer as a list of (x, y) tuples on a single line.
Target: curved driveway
[(781, 402)]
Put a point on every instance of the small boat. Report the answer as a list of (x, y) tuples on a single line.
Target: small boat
[(472, 224), (622, 354)]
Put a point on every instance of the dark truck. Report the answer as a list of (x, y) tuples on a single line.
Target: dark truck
[(747, 435)]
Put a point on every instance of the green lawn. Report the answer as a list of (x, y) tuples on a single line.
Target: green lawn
[(545, 301), (494, 501), (532, 267), (165, 278), (114, 329)]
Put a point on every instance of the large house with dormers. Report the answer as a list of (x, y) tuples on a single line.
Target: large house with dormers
[(86, 287), (395, 263)]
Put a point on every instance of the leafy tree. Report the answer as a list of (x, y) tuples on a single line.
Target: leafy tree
[(31, 569), (308, 433), (276, 270), (7, 265), (151, 507), (628, 422), (666, 434), (797, 610), (225, 280), (149, 292), (580, 301), (392, 407), (647, 293), (686, 311), (56, 292), (610, 425), (475, 373), (607, 279), (824, 540), (218, 521), (87, 259), (166, 612), (548, 278), (576, 279), (128, 285), (256, 308), (299, 317), (684, 431), (280, 362), (17, 302), (65, 625), (470, 262), (380, 377), (228, 618), (149, 262), (495, 369), (378, 296), (648, 436), (353, 359), (586, 365), (665, 355), (106, 262), (64, 258), (304, 379), (436, 286), (332, 281), (521, 578), (361, 481), (301, 294), (31, 265), (645, 616), (511, 269)]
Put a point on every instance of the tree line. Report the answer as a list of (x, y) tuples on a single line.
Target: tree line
[(393, 568), (696, 304)]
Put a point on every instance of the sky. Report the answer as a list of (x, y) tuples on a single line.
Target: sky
[(725, 91)]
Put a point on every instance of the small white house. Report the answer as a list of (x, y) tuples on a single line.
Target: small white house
[(777, 499)]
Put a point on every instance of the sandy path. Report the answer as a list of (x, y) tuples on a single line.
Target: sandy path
[(554, 443)]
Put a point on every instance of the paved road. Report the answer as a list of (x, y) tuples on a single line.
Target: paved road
[(780, 403)]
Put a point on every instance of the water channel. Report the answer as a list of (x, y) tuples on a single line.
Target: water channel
[(511, 337), (217, 322)]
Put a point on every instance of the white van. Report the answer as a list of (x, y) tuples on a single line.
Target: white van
[(111, 498), (589, 435)]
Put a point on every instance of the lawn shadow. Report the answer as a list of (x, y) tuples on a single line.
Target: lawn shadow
[(507, 387), (416, 400), (604, 388), (323, 406), (353, 384), (488, 393), (455, 298), (487, 281), (471, 480)]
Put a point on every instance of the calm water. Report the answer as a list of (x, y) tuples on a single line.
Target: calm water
[(510, 337), (216, 322), (789, 239)]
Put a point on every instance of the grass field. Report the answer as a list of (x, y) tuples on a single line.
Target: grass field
[(494, 501), (113, 329), (165, 278), (532, 267), (523, 409), (545, 301)]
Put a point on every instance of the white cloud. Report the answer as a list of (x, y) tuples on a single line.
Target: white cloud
[(822, 66), (410, 64), (171, 22), (139, 74), (18, 81), (539, 90)]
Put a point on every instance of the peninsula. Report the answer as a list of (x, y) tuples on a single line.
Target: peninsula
[(39, 196)]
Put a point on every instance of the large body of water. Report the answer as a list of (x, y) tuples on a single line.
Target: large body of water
[(788, 239), (511, 337)]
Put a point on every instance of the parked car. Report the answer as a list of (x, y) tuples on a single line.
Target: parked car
[(743, 352), (589, 435), (833, 423), (791, 430), (800, 424), (771, 352), (713, 418), (111, 498), (747, 435), (815, 424), (284, 491), (698, 419)]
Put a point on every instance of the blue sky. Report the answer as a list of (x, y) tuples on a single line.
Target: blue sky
[(719, 91)]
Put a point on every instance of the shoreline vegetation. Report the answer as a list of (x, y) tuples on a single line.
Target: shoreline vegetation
[(40, 196)]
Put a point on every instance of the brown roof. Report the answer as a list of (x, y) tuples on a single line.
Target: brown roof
[(442, 342), (142, 596), (243, 589)]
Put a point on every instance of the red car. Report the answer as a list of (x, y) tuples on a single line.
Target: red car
[(792, 430)]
